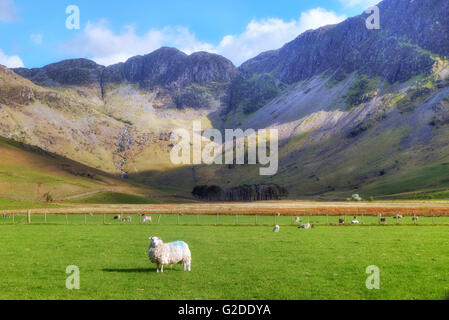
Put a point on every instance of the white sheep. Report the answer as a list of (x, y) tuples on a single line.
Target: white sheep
[(306, 226), (276, 228), (147, 219), (298, 220), (398, 216), (355, 221), (164, 254)]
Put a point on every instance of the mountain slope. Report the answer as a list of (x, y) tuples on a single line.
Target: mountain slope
[(357, 110), (28, 173)]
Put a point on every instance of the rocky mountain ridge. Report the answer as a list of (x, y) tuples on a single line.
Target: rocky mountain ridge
[(356, 109)]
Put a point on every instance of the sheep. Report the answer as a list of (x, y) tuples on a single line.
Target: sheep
[(398, 216), (298, 220), (355, 221), (164, 254), (341, 221), (147, 219), (6, 216), (307, 226), (276, 228), (117, 217), (383, 220), (127, 219), (415, 218)]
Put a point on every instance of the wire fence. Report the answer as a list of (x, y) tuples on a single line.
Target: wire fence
[(218, 219)]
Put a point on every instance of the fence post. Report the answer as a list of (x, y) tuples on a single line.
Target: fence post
[(45, 218), (66, 219), (198, 219), (178, 218), (85, 219), (236, 219), (104, 218), (159, 219), (363, 218), (28, 217)]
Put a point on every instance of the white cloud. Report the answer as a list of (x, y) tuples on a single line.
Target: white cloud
[(98, 42), (361, 3), (10, 61), (8, 11), (271, 34), (105, 47), (37, 38)]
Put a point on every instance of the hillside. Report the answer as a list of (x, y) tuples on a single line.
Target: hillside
[(29, 173), (358, 110)]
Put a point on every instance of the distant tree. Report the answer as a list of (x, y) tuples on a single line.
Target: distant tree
[(207, 193)]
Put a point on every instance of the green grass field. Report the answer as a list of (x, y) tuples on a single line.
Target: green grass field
[(229, 262)]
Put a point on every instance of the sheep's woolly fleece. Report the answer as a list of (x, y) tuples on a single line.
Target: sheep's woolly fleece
[(164, 254)]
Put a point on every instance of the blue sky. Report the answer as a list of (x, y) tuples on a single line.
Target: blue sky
[(33, 33)]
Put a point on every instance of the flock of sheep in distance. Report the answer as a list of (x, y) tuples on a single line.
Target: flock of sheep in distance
[(178, 252)]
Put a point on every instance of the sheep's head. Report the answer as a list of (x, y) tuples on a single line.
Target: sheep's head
[(155, 241)]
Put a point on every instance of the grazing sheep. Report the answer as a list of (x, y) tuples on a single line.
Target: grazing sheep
[(6, 216), (415, 218), (398, 216), (276, 228), (117, 217), (383, 220), (341, 221), (164, 254), (147, 219), (307, 226), (355, 221), (298, 220), (127, 219)]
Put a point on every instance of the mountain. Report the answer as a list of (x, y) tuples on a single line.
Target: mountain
[(357, 110)]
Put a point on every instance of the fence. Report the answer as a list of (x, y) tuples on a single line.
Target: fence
[(217, 219)]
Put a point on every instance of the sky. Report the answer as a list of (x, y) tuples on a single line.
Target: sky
[(34, 33)]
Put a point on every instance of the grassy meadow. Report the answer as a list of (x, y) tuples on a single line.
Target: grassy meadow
[(228, 261)]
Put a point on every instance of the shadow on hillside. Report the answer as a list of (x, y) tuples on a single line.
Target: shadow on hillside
[(134, 270)]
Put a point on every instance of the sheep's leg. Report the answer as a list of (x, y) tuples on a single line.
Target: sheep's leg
[(185, 266), (157, 268), (162, 268)]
